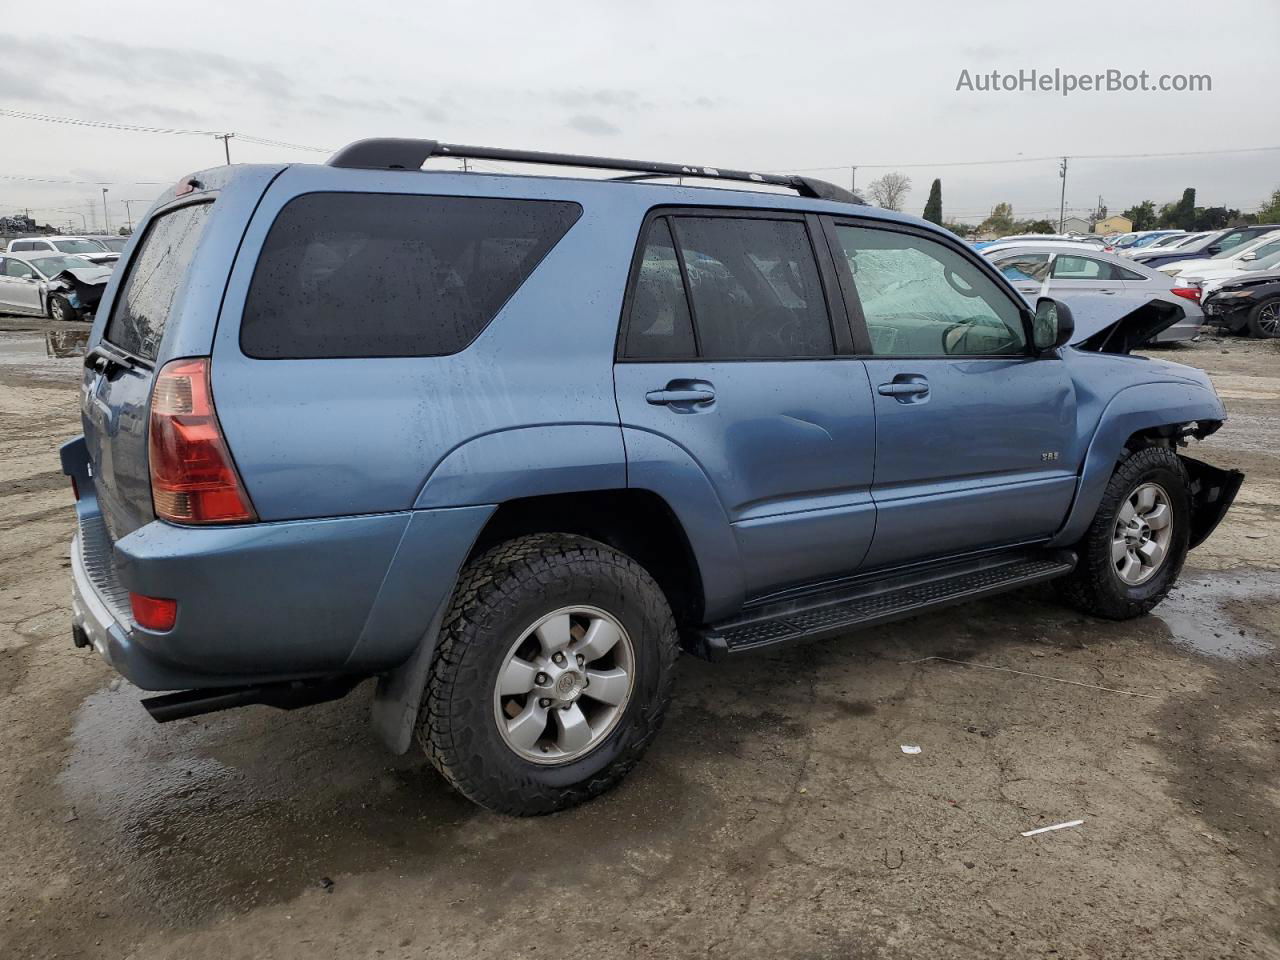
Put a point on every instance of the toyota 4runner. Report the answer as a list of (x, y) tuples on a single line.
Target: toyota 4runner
[(509, 444)]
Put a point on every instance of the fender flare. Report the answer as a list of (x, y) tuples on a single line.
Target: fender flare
[(1143, 406)]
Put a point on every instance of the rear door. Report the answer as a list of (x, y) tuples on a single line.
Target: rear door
[(729, 352), (117, 390), (973, 431)]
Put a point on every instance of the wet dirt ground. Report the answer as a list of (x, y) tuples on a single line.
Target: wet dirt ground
[(776, 816)]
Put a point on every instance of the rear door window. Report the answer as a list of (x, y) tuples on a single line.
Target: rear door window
[(386, 275), (754, 287), (155, 276)]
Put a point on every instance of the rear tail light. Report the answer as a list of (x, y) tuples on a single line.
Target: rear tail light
[(154, 613), (193, 479), (1191, 293)]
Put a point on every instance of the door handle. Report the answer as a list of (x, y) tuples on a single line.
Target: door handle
[(909, 389), (690, 396)]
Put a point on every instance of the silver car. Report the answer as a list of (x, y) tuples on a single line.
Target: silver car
[(26, 282), (1086, 278)]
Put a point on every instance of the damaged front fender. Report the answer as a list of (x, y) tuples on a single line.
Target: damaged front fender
[(1213, 490)]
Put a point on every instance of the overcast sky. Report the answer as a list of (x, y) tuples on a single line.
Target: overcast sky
[(769, 86)]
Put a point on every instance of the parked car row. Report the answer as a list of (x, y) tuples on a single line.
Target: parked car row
[(98, 249), (1085, 278)]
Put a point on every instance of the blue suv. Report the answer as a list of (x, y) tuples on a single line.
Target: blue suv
[(508, 444)]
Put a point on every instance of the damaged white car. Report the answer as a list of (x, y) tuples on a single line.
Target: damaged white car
[(53, 285)]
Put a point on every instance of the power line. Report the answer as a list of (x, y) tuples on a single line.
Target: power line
[(1057, 158), (140, 128)]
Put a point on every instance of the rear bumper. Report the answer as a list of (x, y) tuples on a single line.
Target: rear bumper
[(266, 602)]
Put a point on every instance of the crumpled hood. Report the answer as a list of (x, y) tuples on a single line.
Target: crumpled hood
[(1113, 325), (88, 274)]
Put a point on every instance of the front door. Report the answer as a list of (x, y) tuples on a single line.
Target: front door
[(19, 287), (973, 431), (729, 353)]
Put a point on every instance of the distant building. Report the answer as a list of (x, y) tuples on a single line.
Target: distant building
[(1114, 224), (1075, 225)]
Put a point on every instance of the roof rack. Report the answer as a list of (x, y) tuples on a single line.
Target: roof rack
[(396, 153)]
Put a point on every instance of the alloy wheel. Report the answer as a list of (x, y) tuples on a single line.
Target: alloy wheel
[(1143, 532), (1269, 319), (564, 685)]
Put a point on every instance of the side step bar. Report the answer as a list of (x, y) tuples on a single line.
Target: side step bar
[(869, 602)]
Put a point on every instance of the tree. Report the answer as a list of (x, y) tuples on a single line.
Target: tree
[(1034, 226), (1214, 218), (1184, 214), (1000, 222), (933, 207), (1269, 212), (890, 190), (1142, 216)]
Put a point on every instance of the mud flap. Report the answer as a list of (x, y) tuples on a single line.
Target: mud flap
[(1212, 492), (399, 693)]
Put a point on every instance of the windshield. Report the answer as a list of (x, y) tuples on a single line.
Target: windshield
[(51, 266), (1238, 249), (78, 246), (114, 244)]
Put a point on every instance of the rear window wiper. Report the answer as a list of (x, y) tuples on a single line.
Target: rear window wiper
[(106, 361)]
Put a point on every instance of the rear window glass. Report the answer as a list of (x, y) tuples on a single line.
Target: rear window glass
[(382, 275), (155, 274)]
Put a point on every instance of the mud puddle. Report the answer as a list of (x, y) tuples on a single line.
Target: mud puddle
[(52, 355), (237, 810)]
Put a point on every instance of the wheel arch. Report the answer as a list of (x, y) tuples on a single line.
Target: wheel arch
[(1161, 413)]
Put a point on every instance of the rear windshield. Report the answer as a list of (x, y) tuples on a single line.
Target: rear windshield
[(156, 272), (385, 275)]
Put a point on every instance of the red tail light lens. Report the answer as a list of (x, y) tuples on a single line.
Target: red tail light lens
[(1191, 293), (193, 479), (154, 613)]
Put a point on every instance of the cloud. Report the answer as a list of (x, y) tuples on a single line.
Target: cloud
[(592, 124)]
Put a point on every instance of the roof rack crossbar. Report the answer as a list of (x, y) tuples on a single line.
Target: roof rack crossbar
[(393, 153)]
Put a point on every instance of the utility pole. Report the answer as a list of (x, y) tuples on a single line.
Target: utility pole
[(853, 179), (128, 215), (1062, 207), (106, 220), (226, 144), (465, 167)]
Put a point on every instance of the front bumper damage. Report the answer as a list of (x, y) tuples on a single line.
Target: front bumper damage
[(1213, 490)]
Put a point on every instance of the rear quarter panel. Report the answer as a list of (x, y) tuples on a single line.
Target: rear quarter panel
[(334, 437)]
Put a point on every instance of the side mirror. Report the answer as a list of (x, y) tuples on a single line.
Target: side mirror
[(1213, 248), (1053, 325), (1249, 256)]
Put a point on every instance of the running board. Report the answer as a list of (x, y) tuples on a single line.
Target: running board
[(869, 602)]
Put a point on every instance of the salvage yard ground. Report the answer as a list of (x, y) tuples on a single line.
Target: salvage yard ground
[(776, 816)]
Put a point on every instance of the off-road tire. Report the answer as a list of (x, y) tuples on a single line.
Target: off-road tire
[(1094, 586), (1256, 327), (500, 594), (61, 309)]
